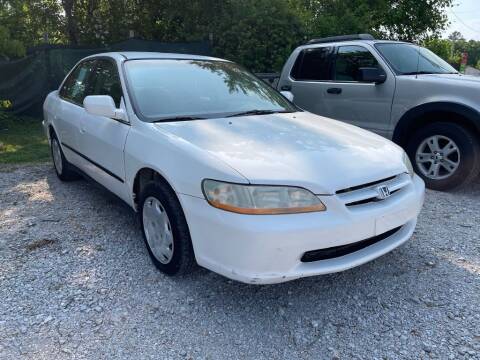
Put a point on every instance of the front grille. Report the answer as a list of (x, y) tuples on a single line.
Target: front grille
[(358, 187), (342, 250), (368, 193)]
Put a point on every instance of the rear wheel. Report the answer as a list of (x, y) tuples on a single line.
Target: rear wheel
[(62, 166), (445, 155)]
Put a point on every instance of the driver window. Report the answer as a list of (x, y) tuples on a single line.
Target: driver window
[(74, 88), (349, 59), (106, 81)]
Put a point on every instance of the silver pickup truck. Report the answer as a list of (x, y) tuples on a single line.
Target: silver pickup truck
[(399, 90)]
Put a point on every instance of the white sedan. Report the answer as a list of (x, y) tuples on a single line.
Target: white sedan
[(227, 173)]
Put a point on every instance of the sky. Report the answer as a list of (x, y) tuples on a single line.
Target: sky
[(464, 16)]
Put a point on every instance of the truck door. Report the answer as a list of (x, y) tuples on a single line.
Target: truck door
[(365, 104), (309, 79)]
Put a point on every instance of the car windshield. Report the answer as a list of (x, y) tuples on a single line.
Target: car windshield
[(172, 89), (409, 59)]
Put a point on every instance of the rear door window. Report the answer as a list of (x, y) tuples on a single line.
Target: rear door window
[(350, 59), (75, 87), (313, 65)]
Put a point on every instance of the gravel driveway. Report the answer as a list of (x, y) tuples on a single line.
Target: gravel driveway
[(76, 282)]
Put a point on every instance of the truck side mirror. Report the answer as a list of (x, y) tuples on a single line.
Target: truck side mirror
[(372, 75)]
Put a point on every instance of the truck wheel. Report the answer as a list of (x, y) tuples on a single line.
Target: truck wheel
[(165, 230), (446, 155), (62, 166)]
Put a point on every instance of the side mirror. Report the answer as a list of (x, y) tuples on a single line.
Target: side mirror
[(372, 75), (103, 105), (287, 94)]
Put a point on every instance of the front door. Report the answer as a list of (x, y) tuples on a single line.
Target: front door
[(310, 78), (102, 140), (363, 104)]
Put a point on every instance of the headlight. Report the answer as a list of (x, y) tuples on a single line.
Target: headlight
[(261, 199), (408, 164)]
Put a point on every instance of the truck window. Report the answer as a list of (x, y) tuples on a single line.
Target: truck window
[(313, 64), (349, 59), (409, 59)]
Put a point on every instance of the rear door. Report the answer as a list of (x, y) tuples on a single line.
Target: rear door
[(102, 139), (364, 104), (69, 114), (310, 78)]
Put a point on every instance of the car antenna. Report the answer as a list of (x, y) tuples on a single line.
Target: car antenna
[(418, 61)]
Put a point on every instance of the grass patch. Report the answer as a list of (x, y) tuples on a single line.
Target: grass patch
[(22, 140)]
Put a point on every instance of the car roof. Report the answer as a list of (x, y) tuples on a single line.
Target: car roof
[(133, 55)]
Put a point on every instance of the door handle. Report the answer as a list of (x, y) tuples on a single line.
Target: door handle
[(335, 91), (286, 88), (82, 130)]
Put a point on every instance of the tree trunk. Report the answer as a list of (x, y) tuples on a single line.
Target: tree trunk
[(72, 30)]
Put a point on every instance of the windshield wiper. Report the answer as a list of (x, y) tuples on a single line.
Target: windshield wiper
[(259, 112), (180, 118)]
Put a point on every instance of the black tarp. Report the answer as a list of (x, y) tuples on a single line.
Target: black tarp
[(25, 83)]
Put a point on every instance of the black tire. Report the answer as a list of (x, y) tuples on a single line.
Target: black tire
[(183, 258), (66, 172), (469, 149)]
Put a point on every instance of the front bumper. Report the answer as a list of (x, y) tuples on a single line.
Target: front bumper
[(265, 249)]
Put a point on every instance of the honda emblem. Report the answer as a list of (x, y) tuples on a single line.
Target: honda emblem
[(383, 192)]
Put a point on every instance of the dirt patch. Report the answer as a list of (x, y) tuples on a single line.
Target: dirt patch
[(38, 244)]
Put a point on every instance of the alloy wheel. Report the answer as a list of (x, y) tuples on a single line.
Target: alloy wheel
[(437, 157)]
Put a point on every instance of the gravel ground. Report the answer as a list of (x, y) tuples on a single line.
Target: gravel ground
[(76, 282)]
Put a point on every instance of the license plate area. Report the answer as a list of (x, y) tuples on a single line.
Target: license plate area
[(390, 221)]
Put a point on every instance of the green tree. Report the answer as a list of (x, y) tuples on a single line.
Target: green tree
[(33, 22), (411, 20), (10, 48), (441, 47), (257, 33), (456, 36)]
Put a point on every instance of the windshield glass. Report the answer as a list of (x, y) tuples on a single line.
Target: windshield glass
[(165, 89), (409, 59)]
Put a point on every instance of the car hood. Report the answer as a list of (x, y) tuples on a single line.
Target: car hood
[(466, 79), (297, 149)]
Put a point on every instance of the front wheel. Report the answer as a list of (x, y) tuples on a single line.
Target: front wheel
[(165, 230), (446, 155)]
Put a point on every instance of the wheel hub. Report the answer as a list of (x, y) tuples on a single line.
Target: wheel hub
[(158, 230), (437, 157)]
